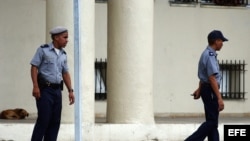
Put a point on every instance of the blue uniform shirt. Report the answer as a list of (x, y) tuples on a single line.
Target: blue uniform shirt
[(50, 64), (208, 65)]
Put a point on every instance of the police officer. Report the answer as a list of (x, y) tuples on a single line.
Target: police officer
[(208, 90), (49, 70)]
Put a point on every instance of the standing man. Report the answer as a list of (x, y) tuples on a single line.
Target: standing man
[(209, 75), (49, 69)]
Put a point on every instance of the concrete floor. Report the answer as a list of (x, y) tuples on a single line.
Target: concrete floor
[(189, 120), (158, 120), (165, 129)]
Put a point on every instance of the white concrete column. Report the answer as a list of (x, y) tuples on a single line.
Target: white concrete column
[(130, 61), (60, 13)]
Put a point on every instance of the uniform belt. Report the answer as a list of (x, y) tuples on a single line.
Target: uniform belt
[(53, 85), (207, 84)]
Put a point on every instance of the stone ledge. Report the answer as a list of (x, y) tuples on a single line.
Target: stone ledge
[(172, 131)]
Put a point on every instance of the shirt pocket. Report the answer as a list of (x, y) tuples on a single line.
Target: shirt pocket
[(50, 61)]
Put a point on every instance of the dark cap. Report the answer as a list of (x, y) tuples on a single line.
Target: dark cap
[(58, 30), (216, 34)]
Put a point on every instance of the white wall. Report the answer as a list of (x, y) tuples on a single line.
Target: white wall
[(22, 30), (180, 37)]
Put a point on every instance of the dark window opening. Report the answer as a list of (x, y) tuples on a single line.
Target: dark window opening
[(100, 79), (183, 1), (225, 2), (233, 79), (101, 1), (191, 3), (236, 3)]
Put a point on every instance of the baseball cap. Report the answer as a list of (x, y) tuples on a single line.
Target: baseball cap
[(58, 30), (216, 34)]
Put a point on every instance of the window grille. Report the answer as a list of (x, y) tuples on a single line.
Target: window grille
[(100, 79), (183, 2), (225, 2), (238, 3), (233, 79), (101, 1)]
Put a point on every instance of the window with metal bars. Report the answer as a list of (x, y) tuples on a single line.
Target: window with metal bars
[(192, 3), (238, 3), (225, 2), (183, 1), (100, 79), (233, 79), (101, 1)]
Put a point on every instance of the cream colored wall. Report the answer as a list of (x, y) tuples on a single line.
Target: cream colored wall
[(22, 30), (101, 46), (180, 37)]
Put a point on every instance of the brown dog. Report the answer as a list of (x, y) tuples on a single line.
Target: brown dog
[(14, 114)]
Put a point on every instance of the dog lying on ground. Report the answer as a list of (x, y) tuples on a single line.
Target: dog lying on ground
[(17, 113)]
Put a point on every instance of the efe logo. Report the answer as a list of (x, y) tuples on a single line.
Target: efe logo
[(237, 132)]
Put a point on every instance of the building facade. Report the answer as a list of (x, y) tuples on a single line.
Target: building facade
[(152, 49)]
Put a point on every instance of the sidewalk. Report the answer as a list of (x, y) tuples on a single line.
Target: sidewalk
[(192, 120), (158, 120), (165, 129)]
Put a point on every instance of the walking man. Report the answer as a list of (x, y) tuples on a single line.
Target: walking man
[(208, 90), (49, 69)]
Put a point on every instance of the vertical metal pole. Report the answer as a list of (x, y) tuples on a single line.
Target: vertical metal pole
[(243, 69), (77, 70)]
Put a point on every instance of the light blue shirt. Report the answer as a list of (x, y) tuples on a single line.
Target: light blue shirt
[(50, 64), (208, 65)]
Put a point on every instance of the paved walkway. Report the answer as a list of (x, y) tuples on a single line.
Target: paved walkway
[(165, 129), (160, 120), (190, 120)]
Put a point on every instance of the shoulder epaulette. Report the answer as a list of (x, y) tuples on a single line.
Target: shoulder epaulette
[(211, 53), (44, 46)]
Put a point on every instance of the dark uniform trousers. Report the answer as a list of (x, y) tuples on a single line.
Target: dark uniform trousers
[(49, 108), (209, 127)]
